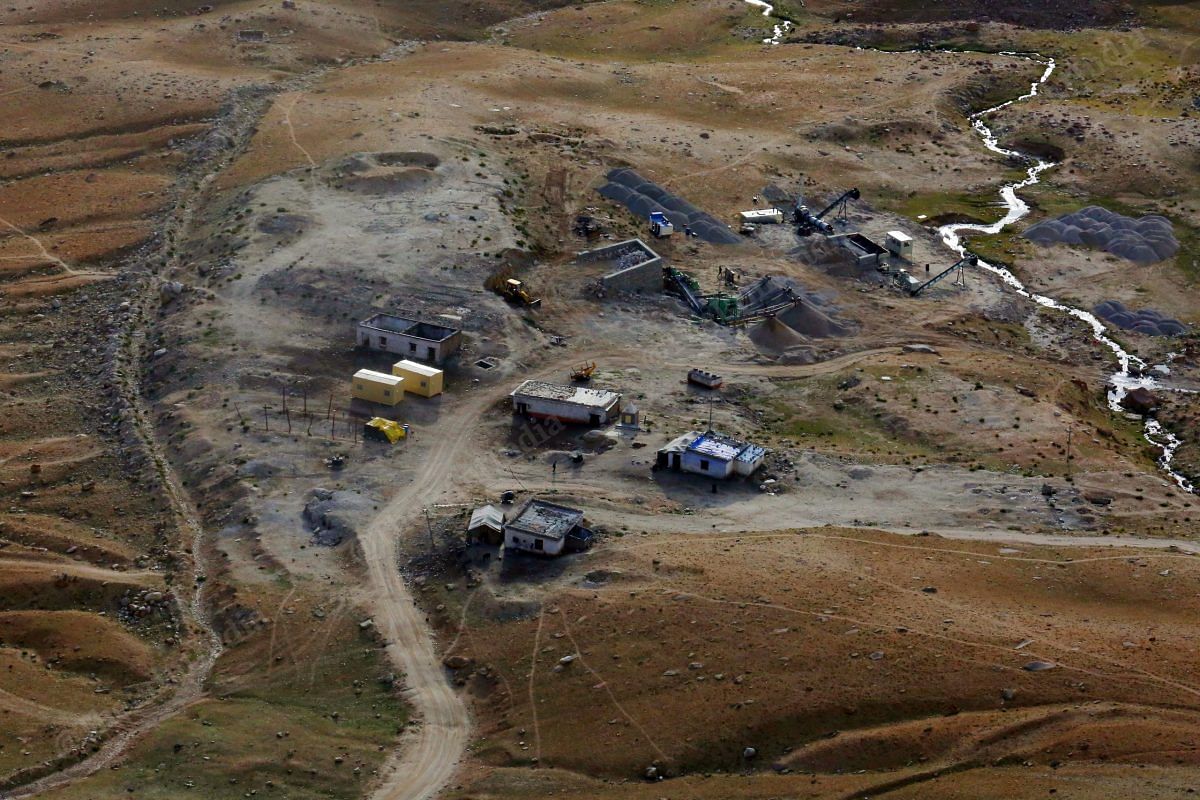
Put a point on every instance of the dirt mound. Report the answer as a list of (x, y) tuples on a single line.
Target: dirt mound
[(79, 642), (284, 224), (811, 321), (774, 337), (1144, 241), (387, 182), (408, 159)]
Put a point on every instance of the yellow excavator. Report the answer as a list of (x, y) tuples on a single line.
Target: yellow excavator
[(515, 291), (583, 373)]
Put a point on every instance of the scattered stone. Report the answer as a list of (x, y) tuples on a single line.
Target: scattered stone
[(1140, 401)]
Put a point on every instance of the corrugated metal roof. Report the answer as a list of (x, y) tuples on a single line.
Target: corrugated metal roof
[(717, 447), (578, 395), (487, 517)]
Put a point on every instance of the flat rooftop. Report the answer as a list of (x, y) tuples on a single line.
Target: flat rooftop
[(415, 328), (378, 377), (547, 520), (418, 369), (576, 395), (723, 448)]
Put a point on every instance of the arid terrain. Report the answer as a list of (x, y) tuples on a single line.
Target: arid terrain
[(967, 568)]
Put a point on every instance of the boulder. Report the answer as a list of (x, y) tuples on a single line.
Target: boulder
[(1140, 401)]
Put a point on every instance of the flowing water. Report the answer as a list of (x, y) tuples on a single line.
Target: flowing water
[(781, 27), (1131, 373)]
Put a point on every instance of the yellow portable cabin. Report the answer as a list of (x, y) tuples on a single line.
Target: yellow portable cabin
[(418, 378), (377, 387)]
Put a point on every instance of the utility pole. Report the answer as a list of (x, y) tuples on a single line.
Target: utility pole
[(429, 527), (1070, 431)]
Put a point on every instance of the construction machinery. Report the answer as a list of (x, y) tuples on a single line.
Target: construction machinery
[(515, 291), (915, 287), (721, 306), (584, 372), (807, 222)]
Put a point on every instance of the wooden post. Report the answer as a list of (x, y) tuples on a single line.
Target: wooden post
[(266, 419), (1070, 431)]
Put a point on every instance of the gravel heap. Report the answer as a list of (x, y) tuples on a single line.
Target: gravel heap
[(1147, 321), (1143, 241)]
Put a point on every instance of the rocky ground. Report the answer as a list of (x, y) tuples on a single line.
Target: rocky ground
[(959, 572)]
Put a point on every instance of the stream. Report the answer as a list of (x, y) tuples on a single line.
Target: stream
[(1131, 373)]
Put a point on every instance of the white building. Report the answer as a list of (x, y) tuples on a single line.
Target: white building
[(573, 404), (423, 341), (546, 529), (711, 454), (761, 216), (899, 244)]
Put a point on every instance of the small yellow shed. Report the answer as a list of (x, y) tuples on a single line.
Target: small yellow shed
[(418, 378), (377, 387)]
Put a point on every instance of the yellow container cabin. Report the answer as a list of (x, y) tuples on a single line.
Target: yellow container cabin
[(419, 378), (377, 387)]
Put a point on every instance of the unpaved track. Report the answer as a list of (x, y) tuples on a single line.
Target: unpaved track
[(428, 757)]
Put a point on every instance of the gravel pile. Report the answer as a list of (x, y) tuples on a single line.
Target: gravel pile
[(642, 197), (1143, 241), (1147, 321)]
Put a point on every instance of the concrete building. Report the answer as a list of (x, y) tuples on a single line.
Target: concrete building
[(547, 529), (630, 418), (408, 337), (572, 404), (866, 252), (632, 266), (419, 378), (711, 454), (377, 387)]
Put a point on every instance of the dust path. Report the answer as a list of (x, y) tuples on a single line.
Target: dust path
[(429, 754), (83, 570), (44, 713), (275, 628), (287, 120), (537, 642), (46, 254), (707, 538), (462, 622), (608, 689)]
